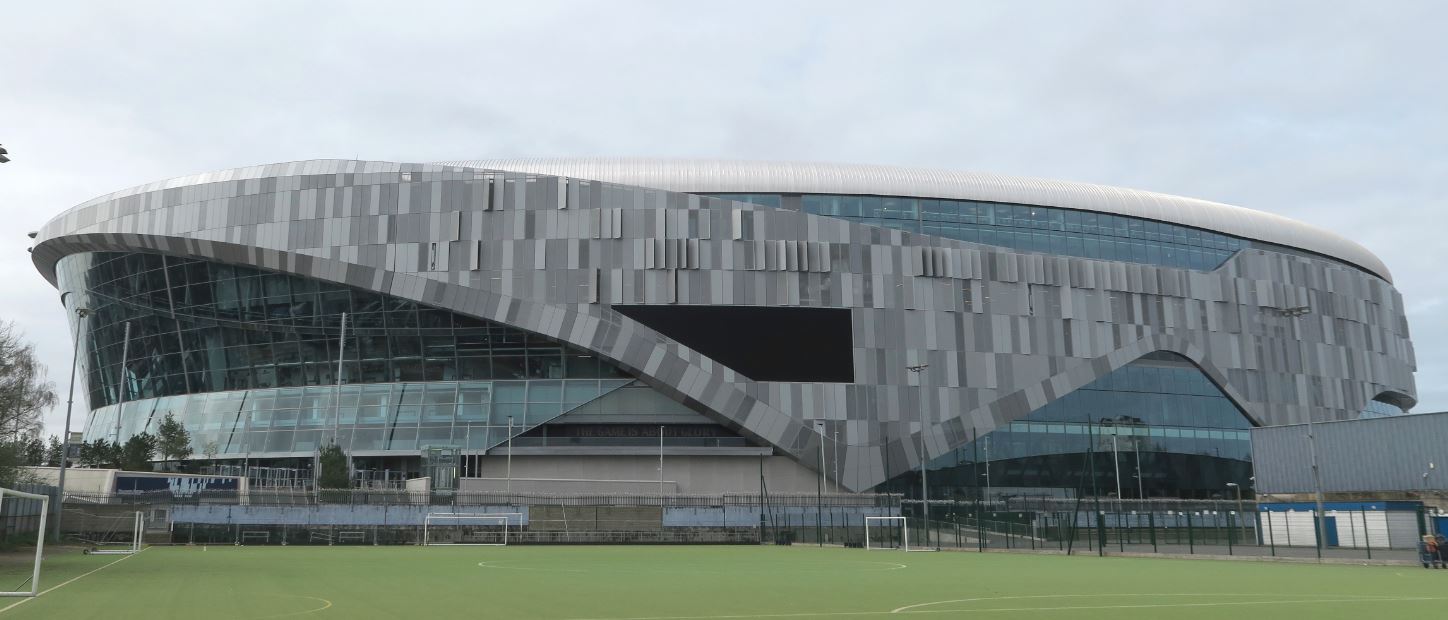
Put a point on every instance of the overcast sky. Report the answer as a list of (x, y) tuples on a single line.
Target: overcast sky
[(1333, 114)]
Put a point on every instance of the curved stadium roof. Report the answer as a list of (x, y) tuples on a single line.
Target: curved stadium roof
[(710, 176)]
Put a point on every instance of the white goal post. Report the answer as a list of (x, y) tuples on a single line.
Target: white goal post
[(39, 538), (887, 522), (494, 523), (138, 531)]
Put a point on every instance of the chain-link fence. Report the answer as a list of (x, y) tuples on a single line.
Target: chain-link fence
[(1382, 531), (1365, 530), (19, 516), (270, 516)]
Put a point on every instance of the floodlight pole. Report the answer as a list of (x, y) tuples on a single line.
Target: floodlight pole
[(924, 461), (81, 314), (1317, 487), (819, 489), (836, 447), (1116, 462), (987, 467), (1140, 484), (1240, 515)]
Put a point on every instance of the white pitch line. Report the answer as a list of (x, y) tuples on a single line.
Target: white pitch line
[(905, 609), (66, 582), (326, 604), (1031, 609), (494, 564)]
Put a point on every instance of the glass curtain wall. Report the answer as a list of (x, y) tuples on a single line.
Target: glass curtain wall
[(1156, 428), (199, 326), (247, 359), (1027, 228)]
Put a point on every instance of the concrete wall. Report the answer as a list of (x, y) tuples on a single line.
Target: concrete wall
[(1378, 454), (328, 514), (640, 474), (79, 481), (87, 481)]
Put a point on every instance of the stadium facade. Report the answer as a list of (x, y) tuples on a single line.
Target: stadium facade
[(766, 320)]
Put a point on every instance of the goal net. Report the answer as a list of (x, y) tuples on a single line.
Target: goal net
[(122, 534), (459, 528), (10, 495), (887, 533)]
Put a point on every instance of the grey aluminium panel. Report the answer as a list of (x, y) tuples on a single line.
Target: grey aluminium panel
[(1398, 453), (991, 360)]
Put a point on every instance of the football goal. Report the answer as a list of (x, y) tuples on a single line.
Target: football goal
[(122, 537), (887, 533), (469, 528), (34, 581)]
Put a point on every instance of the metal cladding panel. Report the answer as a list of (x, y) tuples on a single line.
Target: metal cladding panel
[(1377, 454), (370, 224), (724, 176)]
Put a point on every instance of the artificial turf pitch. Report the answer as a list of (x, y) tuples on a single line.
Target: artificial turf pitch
[(715, 583)]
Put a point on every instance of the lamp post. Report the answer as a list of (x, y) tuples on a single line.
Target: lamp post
[(820, 488), (924, 461), (81, 314), (1321, 516), (836, 448), (1240, 515)]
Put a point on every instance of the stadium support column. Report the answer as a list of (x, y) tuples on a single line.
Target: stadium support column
[(924, 461), (509, 483), (121, 381), (81, 314), (337, 393), (661, 465)]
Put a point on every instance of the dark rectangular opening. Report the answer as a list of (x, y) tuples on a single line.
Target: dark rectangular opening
[(810, 345)]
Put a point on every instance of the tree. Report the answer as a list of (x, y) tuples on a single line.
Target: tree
[(12, 464), (34, 451), (100, 453), (172, 440), (53, 451), (332, 473), (137, 452), (25, 393)]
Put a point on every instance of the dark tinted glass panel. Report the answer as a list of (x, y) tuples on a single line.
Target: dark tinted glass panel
[(764, 344)]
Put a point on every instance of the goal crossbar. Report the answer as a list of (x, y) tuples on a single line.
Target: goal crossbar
[(39, 539), (878, 521), (503, 519), (138, 528)]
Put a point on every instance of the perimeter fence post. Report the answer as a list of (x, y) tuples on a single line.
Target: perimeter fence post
[(1191, 535), (979, 529), (1367, 542), (1231, 529), (1151, 528), (1100, 533), (1120, 542), (1060, 532), (1271, 536)]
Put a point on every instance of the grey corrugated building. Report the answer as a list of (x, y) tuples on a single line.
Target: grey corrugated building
[(573, 313), (1394, 456)]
